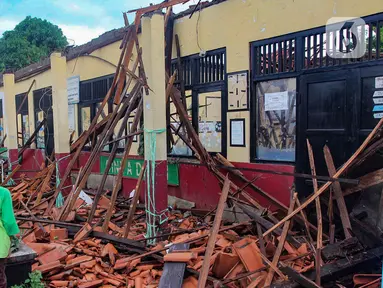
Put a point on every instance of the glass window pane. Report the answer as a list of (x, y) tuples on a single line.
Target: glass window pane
[(179, 147), (26, 133), (209, 121), (103, 113), (85, 118), (41, 133), (276, 120)]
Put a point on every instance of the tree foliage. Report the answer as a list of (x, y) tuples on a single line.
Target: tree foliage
[(30, 41)]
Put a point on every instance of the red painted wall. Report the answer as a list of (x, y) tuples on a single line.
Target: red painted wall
[(198, 185), (31, 161)]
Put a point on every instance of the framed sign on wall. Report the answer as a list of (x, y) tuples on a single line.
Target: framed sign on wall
[(237, 91), (237, 132)]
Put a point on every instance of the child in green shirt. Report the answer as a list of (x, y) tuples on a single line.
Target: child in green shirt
[(8, 228)]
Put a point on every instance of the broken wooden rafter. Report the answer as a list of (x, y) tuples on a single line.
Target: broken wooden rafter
[(281, 243), (133, 205), (213, 234), (327, 185), (318, 258), (128, 146), (87, 132), (338, 193)]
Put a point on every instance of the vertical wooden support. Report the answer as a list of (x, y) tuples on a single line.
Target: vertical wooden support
[(338, 193), (318, 260), (281, 243), (213, 234)]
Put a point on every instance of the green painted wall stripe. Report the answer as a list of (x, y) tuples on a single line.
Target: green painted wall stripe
[(133, 169)]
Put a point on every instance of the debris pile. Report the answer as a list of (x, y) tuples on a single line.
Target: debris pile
[(94, 238), (91, 258)]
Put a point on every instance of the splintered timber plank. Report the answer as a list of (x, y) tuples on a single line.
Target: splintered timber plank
[(338, 193), (107, 133), (204, 157), (262, 221), (255, 188), (17, 168), (108, 130), (213, 234), (109, 164), (318, 259), (117, 187), (327, 185), (97, 129), (87, 133), (181, 70), (281, 244), (45, 184), (299, 278), (133, 204), (317, 201), (366, 181), (305, 221)]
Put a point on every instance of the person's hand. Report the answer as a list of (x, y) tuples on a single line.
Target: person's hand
[(15, 243)]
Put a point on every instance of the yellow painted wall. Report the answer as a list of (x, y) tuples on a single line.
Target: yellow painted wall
[(86, 67), (233, 24)]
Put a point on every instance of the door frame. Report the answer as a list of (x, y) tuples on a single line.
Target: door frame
[(206, 88), (351, 128)]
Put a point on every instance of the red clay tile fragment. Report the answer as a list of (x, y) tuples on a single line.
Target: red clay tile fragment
[(249, 254), (59, 234), (56, 254), (49, 267), (138, 282), (58, 283), (82, 233), (91, 284), (224, 263), (180, 257)]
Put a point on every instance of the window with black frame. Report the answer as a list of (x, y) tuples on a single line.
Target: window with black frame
[(22, 119), (42, 103), (276, 120), (198, 75), (92, 93)]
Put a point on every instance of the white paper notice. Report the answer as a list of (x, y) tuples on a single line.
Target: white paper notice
[(86, 198), (73, 89), (378, 115), (379, 82), (378, 94), (237, 133), (71, 118), (277, 101)]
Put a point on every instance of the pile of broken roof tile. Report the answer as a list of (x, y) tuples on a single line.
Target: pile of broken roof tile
[(83, 260)]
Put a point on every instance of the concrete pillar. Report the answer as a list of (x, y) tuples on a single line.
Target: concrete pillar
[(60, 110), (10, 111), (153, 51)]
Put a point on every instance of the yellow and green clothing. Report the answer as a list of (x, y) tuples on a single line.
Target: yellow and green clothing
[(8, 225)]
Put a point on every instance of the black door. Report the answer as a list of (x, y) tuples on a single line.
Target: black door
[(327, 116)]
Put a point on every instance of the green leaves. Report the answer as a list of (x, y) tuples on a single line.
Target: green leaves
[(32, 40), (34, 281)]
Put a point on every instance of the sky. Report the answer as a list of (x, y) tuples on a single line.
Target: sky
[(80, 20)]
